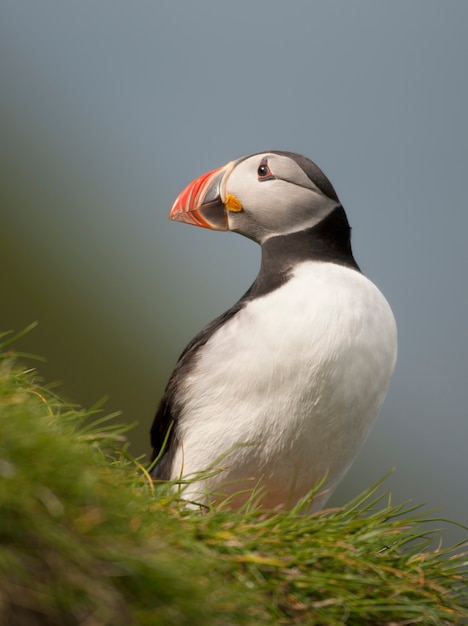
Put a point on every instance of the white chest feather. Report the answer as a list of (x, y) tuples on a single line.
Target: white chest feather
[(288, 388)]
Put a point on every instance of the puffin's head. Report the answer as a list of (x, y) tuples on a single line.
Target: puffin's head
[(259, 196)]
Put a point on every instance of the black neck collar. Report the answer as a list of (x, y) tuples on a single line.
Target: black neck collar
[(328, 242)]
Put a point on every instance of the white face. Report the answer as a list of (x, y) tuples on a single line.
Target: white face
[(279, 198)]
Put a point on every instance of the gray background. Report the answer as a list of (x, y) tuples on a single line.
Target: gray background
[(110, 108)]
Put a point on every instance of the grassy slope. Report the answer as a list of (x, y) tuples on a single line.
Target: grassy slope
[(86, 539)]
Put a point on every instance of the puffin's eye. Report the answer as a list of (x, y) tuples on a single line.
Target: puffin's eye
[(264, 172)]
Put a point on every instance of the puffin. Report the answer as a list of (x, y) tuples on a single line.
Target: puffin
[(273, 399)]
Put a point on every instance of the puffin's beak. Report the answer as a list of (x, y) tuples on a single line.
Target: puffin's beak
[(201, 204)]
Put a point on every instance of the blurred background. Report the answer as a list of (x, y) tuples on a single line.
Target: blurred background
[(108, 109)]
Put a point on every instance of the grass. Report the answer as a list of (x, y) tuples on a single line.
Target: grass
[(86, 538)]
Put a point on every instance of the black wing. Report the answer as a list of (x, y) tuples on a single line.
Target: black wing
[(169, 408)]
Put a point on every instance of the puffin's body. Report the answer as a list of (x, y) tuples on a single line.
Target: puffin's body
[(278, 393)]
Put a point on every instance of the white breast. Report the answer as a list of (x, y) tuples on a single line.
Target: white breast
[(286, 391)]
